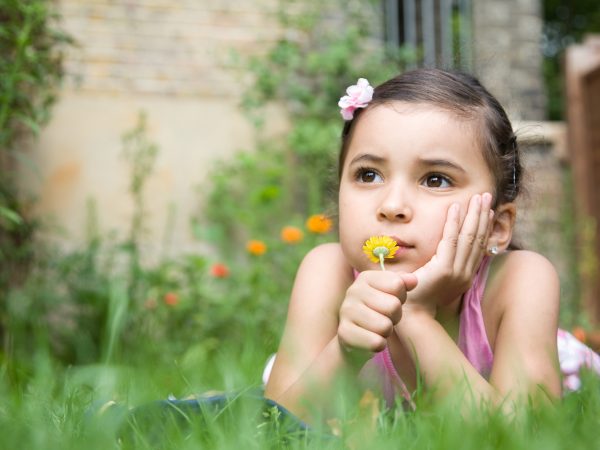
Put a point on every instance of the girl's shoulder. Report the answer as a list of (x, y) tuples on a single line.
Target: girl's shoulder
[(324, 266), (331, 251), (327, 256), (522, 276), (521, 263)]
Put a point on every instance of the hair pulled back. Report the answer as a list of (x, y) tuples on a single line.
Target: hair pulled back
[(463, 95)]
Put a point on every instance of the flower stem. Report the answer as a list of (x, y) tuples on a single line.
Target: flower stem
[(381, 261)]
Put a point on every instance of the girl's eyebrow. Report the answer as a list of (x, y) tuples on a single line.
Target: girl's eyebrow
[(367, 157), (441, 163)]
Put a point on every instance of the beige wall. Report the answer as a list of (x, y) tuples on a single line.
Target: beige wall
[(171, 59)]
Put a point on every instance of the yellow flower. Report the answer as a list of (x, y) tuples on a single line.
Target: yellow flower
[(291, 235), (319, 224), (256, 247), (379, 247)]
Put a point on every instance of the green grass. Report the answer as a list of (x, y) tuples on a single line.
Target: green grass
[(58, 407)]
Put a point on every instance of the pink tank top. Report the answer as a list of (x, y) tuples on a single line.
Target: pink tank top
[(472, 341)]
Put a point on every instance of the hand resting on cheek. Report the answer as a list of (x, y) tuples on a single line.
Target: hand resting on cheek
[(450, 271)]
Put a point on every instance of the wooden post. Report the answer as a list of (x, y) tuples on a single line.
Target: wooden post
[(582, 66)]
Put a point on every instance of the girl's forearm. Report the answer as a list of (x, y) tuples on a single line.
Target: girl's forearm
[(309, 396), (439, 361)]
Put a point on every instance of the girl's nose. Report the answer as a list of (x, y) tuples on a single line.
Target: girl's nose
[(395, 206)]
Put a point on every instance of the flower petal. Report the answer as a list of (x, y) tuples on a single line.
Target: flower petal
[(359, 96)]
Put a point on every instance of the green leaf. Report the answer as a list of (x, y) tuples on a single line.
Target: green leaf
[(10, 215)]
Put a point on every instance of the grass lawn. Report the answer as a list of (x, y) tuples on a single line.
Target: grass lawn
[(58, 407)]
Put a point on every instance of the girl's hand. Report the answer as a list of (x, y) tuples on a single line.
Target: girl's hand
[(450, 272), (371, 308)]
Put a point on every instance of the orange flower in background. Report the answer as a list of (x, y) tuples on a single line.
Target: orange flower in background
[(256, 247), (219, 270), (579, 333), (291, 235), (319, 224), (171, 299)]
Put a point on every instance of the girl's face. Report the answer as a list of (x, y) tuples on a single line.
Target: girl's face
[(406, 164)]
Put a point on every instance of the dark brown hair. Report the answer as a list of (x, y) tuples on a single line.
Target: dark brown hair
[(463, 95)]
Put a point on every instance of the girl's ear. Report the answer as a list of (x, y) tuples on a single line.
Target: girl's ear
[(502, 228)]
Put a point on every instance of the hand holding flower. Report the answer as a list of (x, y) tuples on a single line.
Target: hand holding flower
[(371, 308)]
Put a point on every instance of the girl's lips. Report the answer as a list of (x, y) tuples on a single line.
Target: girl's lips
[(400, 242), (403, 247)]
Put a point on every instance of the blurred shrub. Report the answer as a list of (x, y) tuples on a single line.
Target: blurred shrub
[(565, 23), (31, 48)]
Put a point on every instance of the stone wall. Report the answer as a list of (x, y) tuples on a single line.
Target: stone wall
[(545, 204), (546, 219), (507, 54)]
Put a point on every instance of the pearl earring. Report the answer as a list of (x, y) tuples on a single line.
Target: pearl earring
[(493, 250)]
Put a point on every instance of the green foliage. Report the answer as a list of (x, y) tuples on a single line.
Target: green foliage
[(140, 153), (31, 46)]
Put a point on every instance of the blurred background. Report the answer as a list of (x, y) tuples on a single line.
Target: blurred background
[(164, 165)]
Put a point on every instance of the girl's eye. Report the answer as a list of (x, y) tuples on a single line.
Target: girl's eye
[(438, 181), (368, 176)]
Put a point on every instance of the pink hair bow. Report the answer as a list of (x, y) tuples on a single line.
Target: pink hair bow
[(359, 96)]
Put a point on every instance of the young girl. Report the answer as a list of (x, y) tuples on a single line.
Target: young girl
[(428, 159)]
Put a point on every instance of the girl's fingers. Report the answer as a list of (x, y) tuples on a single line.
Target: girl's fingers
[(375, 322), (388, 282), (446, 250), (355, 338), (483, 232), (466, 243), (410, 281), (364, 328), (388, 305)]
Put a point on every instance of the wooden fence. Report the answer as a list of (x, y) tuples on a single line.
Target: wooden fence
[(582, 68)]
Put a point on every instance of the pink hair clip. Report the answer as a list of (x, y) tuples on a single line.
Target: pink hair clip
[(359, 96)]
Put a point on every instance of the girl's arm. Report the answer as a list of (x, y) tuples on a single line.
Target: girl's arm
[(526, 290), (525, 353), (310, 336)]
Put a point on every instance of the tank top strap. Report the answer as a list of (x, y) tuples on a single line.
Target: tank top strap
[(472, 338)]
